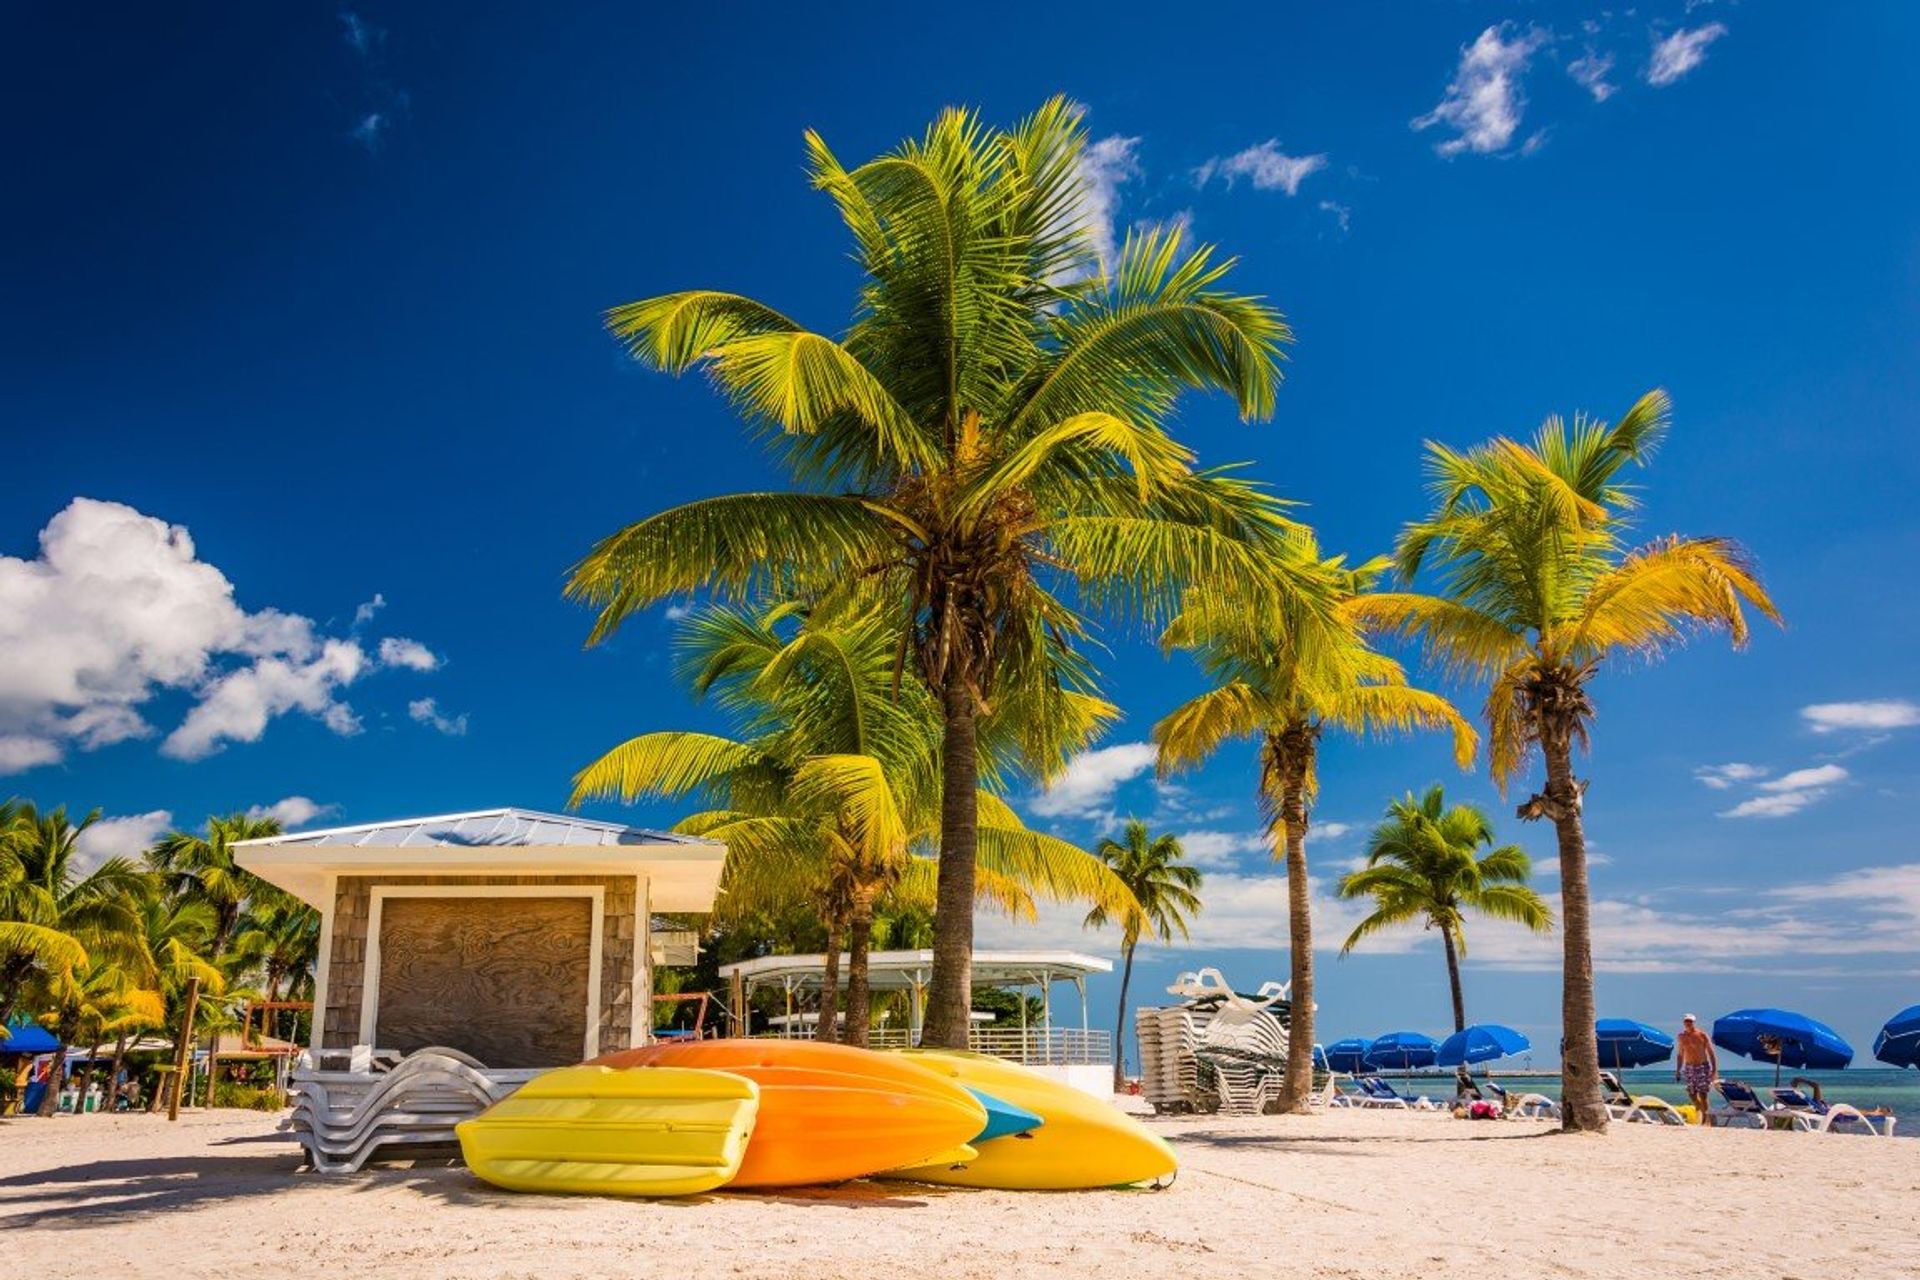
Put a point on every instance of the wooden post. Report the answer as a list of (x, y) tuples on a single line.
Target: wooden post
[(183, 1051)]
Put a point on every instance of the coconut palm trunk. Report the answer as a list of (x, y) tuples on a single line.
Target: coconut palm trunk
[(1453, 978), (1120, 1019), (1581, 1106), (859, 946), (1298, 763), (950, 994), (827, 1029), (113, 1076)]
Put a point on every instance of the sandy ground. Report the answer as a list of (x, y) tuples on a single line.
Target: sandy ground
[(1336, 1195)]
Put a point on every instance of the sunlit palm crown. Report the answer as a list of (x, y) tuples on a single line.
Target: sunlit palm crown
[(1425, 865), (1165, 887), (1298, 670), (987, 442), (833, 785), (1538, 584)]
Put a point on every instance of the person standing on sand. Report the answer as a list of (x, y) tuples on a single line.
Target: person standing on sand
[(1698, 1065)]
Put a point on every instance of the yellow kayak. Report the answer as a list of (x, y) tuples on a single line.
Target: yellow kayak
[(605, 1131), (1083, 1142)]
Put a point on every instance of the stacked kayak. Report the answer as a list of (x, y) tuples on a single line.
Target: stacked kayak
[(680, 1119)]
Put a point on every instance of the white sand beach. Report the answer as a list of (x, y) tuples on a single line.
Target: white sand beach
[(1336, 1195)]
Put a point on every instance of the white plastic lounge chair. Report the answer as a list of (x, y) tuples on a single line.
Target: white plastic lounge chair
[(1745, 1108), (1523, 1106), (1831, 1117), (1643, 1108)]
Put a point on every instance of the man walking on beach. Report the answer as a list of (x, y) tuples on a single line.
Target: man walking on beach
[(1698, 1065)]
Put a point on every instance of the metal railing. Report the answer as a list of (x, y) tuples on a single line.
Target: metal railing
[(1030, 1046)]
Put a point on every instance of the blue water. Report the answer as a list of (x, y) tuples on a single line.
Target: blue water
[(1865, 1087)]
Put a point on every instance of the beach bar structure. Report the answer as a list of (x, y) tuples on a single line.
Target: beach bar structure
[(524, 939), (1071, 1051)]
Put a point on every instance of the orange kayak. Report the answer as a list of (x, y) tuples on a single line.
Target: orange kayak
[(828, 1112)]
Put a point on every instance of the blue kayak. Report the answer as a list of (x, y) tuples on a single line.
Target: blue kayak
[(1003, 1118)]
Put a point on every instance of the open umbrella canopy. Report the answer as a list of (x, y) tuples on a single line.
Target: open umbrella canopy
[(28, 1037), (1348, 1057), (1626, 1043), (1481, 1042), (1402, 1050), (1898, 1044), (1783, 1038)]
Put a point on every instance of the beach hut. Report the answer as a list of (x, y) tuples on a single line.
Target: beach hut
[(524, 939)]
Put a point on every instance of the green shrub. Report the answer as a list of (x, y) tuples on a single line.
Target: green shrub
[(247, 1097)]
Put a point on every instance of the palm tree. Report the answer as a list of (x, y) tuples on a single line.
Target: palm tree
[(1167, 891), (1538, 590), (1285, 679), (986, 445), (56, 921), (201, 868), (173, 934), (1424, 865), (28, 908), (833, 787)]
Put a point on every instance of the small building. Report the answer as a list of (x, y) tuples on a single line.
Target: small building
[(525, 939)]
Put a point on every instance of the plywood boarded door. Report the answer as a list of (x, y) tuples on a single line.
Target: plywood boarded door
[(502, 978)]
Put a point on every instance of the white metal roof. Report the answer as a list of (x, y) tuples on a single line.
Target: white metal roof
[(897, 970), (484, 828)]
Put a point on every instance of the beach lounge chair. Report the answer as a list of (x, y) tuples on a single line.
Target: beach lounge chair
[(1831, 1117), (1745, 1108), (1380, 1094), (1522, 1106), (1645, 1108)]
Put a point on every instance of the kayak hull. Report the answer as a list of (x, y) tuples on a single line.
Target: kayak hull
[(1082, 1143), (597, 1131), (829, 1112)]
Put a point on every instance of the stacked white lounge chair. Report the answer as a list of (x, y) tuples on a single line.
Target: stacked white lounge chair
[(1169, 1071), (379, 1106), (1240, 1042)]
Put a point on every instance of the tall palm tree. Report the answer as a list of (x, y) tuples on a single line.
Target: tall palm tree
[(1167, 892), (1285, 679), (986, 444), (59, 921), (833, 786), (1538, 589), (1424, 865), (200, 867), (29, 906)]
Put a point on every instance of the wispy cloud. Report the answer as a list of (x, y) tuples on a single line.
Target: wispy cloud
[(1086, 787), (1484, 102), (1265, 165), (1877, 714), (292, 811), (360, 35), (1221, 848), (398, 651), (1105, 167), (364, 613), (1789, 793), (371, 132), (1590, 70), (427, 711), (1722, 776), (1675, 55), (1341, 214)]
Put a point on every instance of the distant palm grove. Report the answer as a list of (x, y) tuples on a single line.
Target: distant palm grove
[(982, 471)]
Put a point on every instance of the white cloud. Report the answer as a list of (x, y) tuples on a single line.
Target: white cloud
[(1818, 776), (1342, 214), (1105, 167), (1591, 69), (1772, 806), (371, 131), (125, 837), (1222, 848), (1328, 830), (1484, 103), (1085, 788), (291, 812), (1722, 776), (118, 608), (679, 612), (427, 711), (398, 651), (1789, 793), (361, 36), (1265, 165), (1681, 52), (1879, 713), (364, 614)]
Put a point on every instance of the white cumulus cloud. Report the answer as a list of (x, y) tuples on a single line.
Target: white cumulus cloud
[(1789, 793), (122, 837), (291, 812), (1590, 70), (1484, 102), (427, 711), (1681, 52), (398, 651), (1263, 164), (1085, 788), (1874, 714), (117, 608), (1105, 167)]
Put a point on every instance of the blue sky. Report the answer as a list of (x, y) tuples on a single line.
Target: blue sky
[(321, 288)]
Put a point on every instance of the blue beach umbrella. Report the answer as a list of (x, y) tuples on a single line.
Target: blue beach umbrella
[(1403, 1049), (1898, 1044), (1481, 1042), (1626, 1043), (1782, 1037), (1349, 1057)]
